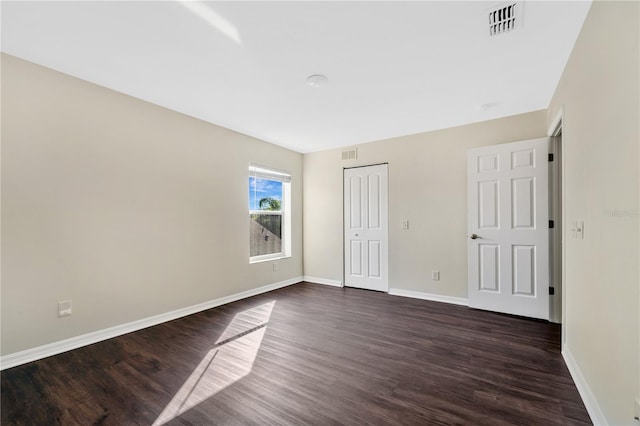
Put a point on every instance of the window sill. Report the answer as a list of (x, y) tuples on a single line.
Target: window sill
[(269, 259)]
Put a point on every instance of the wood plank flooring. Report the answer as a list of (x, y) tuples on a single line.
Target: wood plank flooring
[(308, 355)]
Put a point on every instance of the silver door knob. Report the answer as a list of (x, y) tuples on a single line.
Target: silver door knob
[(474, 236)]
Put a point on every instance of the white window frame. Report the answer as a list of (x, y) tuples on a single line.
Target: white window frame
[(258, 171)]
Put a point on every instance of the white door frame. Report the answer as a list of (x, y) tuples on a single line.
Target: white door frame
[(556, 130), (344, 227), (555, 233)]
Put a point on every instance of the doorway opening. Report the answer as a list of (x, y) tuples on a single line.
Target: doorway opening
[(556, 213)]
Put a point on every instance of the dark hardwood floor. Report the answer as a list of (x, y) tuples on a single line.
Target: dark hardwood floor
[(308, 355)]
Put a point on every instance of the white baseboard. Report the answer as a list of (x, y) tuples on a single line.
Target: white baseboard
[(44, 351), (429, 296), (324, 281), (590, 402)]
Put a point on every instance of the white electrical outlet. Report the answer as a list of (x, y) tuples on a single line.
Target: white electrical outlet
[(405, 225), (64, 308), (435, 275), (275, 267)]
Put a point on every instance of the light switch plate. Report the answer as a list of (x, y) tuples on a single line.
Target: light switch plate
[(577, 230)]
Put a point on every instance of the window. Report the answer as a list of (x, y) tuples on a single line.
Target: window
[(269, 214)]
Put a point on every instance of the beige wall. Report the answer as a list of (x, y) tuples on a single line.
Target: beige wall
[(132, 210), (600, 94), (427, 186), (126, 208)]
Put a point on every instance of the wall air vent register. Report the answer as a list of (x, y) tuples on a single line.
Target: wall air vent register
[(350, 154)]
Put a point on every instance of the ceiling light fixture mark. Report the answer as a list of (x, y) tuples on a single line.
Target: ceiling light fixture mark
[(317, 80), (487, 106)]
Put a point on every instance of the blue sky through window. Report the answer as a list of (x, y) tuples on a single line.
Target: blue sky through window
[(260, 188)]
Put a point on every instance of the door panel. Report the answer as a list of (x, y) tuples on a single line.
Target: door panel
[(374, 259), (355, 202), (522, 159), (487, 163), (508, 253), (524, 261), (488, 204), (366, 222), (356, 258), (489, 267), (523, 203), (373, 203)]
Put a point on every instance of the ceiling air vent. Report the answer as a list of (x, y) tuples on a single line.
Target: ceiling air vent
[(505, 18), (350, 154)]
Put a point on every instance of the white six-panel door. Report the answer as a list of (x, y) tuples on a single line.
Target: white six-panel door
[(508, 228), (366, 228)]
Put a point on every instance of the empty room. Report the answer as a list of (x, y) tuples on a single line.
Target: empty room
[(320, 213)]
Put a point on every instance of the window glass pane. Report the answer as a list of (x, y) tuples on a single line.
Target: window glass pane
[(265, 217), (265, 194), (265, 233)]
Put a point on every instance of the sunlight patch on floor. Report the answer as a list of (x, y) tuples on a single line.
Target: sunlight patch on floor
[(230, 359)]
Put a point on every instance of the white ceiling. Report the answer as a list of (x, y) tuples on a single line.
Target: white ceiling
[(394, 68)]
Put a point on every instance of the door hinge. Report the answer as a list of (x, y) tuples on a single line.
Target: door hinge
[(550, 157), (551, 224), (552, 291)]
